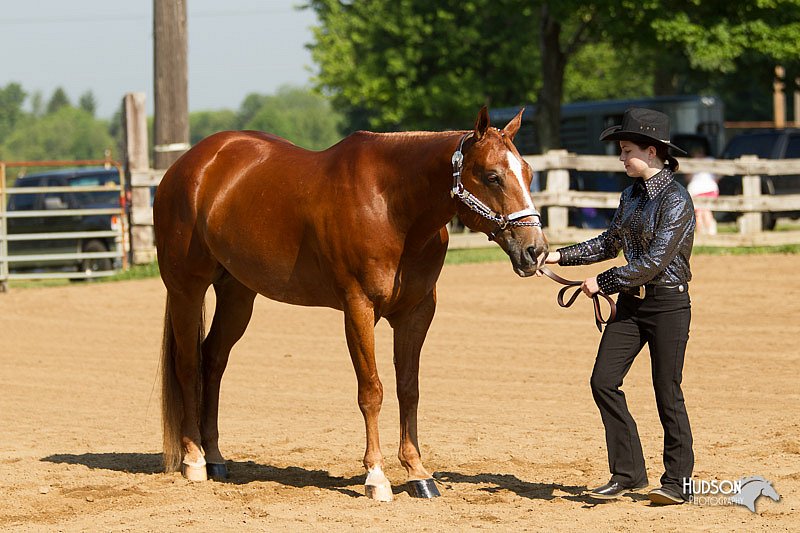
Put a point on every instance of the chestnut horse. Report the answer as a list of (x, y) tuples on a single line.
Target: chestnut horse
[(359, 227)]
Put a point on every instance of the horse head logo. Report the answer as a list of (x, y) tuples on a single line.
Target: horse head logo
[(752, 488)]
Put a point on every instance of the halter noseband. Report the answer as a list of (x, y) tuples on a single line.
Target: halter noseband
[(475, 205)]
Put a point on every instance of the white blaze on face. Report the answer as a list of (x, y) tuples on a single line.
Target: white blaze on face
[(515, 165)]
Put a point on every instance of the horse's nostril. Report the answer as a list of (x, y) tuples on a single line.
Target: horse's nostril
[(536, 253), (532, 254)]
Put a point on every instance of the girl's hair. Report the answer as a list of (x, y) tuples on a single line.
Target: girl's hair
[(662, 152)]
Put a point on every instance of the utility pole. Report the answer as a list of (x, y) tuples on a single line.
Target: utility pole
[(171, 80)]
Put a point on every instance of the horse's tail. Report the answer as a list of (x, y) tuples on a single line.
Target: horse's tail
[(171, 397)]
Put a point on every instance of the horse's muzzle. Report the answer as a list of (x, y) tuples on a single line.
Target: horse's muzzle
[(528, 260)]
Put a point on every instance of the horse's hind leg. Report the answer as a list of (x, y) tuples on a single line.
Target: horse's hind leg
[(410, 329), (181, 393), (231, 316)]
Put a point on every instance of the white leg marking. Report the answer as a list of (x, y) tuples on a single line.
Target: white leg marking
[(377, 486), (195, 470)]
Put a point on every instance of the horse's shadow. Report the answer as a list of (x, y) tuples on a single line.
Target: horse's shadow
[(241, 472), (131, 463), (244, 472), (524, 489)]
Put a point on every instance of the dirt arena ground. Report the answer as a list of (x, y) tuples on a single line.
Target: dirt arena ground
[(507, 420)]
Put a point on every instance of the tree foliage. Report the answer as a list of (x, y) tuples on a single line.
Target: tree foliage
[(713, 35), (598, 71), (296, 114), (58, 100), (11, 99), (416, 64), (204, 123), (68, 133), (88, 103), (405, 64)]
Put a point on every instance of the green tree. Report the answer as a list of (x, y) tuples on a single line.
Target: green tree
[(250, 107), (37, 104), (669, 36), (204, 123), (68, 133), (298, 115), (598, 71), (88, 103), (58, 100), (11, 99), (416, 64)]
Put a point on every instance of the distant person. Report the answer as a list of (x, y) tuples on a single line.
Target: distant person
[(703, 184), (654, 227)]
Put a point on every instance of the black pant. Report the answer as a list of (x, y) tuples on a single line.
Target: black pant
[(661, 321)]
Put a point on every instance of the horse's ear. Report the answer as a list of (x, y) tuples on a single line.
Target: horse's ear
[(482, 124), (512, 127)]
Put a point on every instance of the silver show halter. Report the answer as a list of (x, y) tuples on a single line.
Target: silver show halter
[(475, 205)]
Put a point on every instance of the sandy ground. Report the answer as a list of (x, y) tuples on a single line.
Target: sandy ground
[(507, 420)]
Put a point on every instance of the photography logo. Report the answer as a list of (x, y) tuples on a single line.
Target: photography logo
[(745, 491)]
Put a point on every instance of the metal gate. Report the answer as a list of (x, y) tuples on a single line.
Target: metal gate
[(117, 252)]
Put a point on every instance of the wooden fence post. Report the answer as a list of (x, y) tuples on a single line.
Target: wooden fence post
[(557, 182), (751, 190), (137, 168)]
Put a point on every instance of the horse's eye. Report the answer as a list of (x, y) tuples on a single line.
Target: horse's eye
[(493, 178)]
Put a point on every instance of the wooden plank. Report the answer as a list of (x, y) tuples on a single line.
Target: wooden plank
[(144, 249), (747, 165), (610, 200), (558, 183), (141, 211), (146, 178)]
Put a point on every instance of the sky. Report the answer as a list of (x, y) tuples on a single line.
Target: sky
[(236, 47)]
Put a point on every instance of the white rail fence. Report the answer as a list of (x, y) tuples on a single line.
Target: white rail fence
[(16, 266), (557, 197)]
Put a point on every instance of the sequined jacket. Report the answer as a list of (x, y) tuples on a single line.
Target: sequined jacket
[(654, 227)]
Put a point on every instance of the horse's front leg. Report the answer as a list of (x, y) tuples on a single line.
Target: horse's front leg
[(359, 325), (410, 329)]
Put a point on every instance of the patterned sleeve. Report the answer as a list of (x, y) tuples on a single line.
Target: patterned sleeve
[(676, 224)]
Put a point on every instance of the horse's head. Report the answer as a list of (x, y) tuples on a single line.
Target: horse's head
[(494, 189), (760, 487)]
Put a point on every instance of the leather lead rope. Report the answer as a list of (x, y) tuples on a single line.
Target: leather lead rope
[(568, 284)]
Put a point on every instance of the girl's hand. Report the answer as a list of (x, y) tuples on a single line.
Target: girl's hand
[(553, 258), (590, 286)]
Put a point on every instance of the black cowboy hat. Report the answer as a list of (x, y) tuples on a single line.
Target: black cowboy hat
[(642, 126)]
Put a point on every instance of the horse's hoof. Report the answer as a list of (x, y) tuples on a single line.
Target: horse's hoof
[(423, 488), (217, 471), (194, 472), (379, 493), (377, 487)]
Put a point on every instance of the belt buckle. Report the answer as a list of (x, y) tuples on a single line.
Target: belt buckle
[(641, 293)]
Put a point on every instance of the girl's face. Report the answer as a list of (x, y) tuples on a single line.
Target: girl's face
[(637, 161)]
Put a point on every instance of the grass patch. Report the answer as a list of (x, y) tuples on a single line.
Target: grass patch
[(747, 250), (149, 270), (495, 254), (135, 272), (475, 255)]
